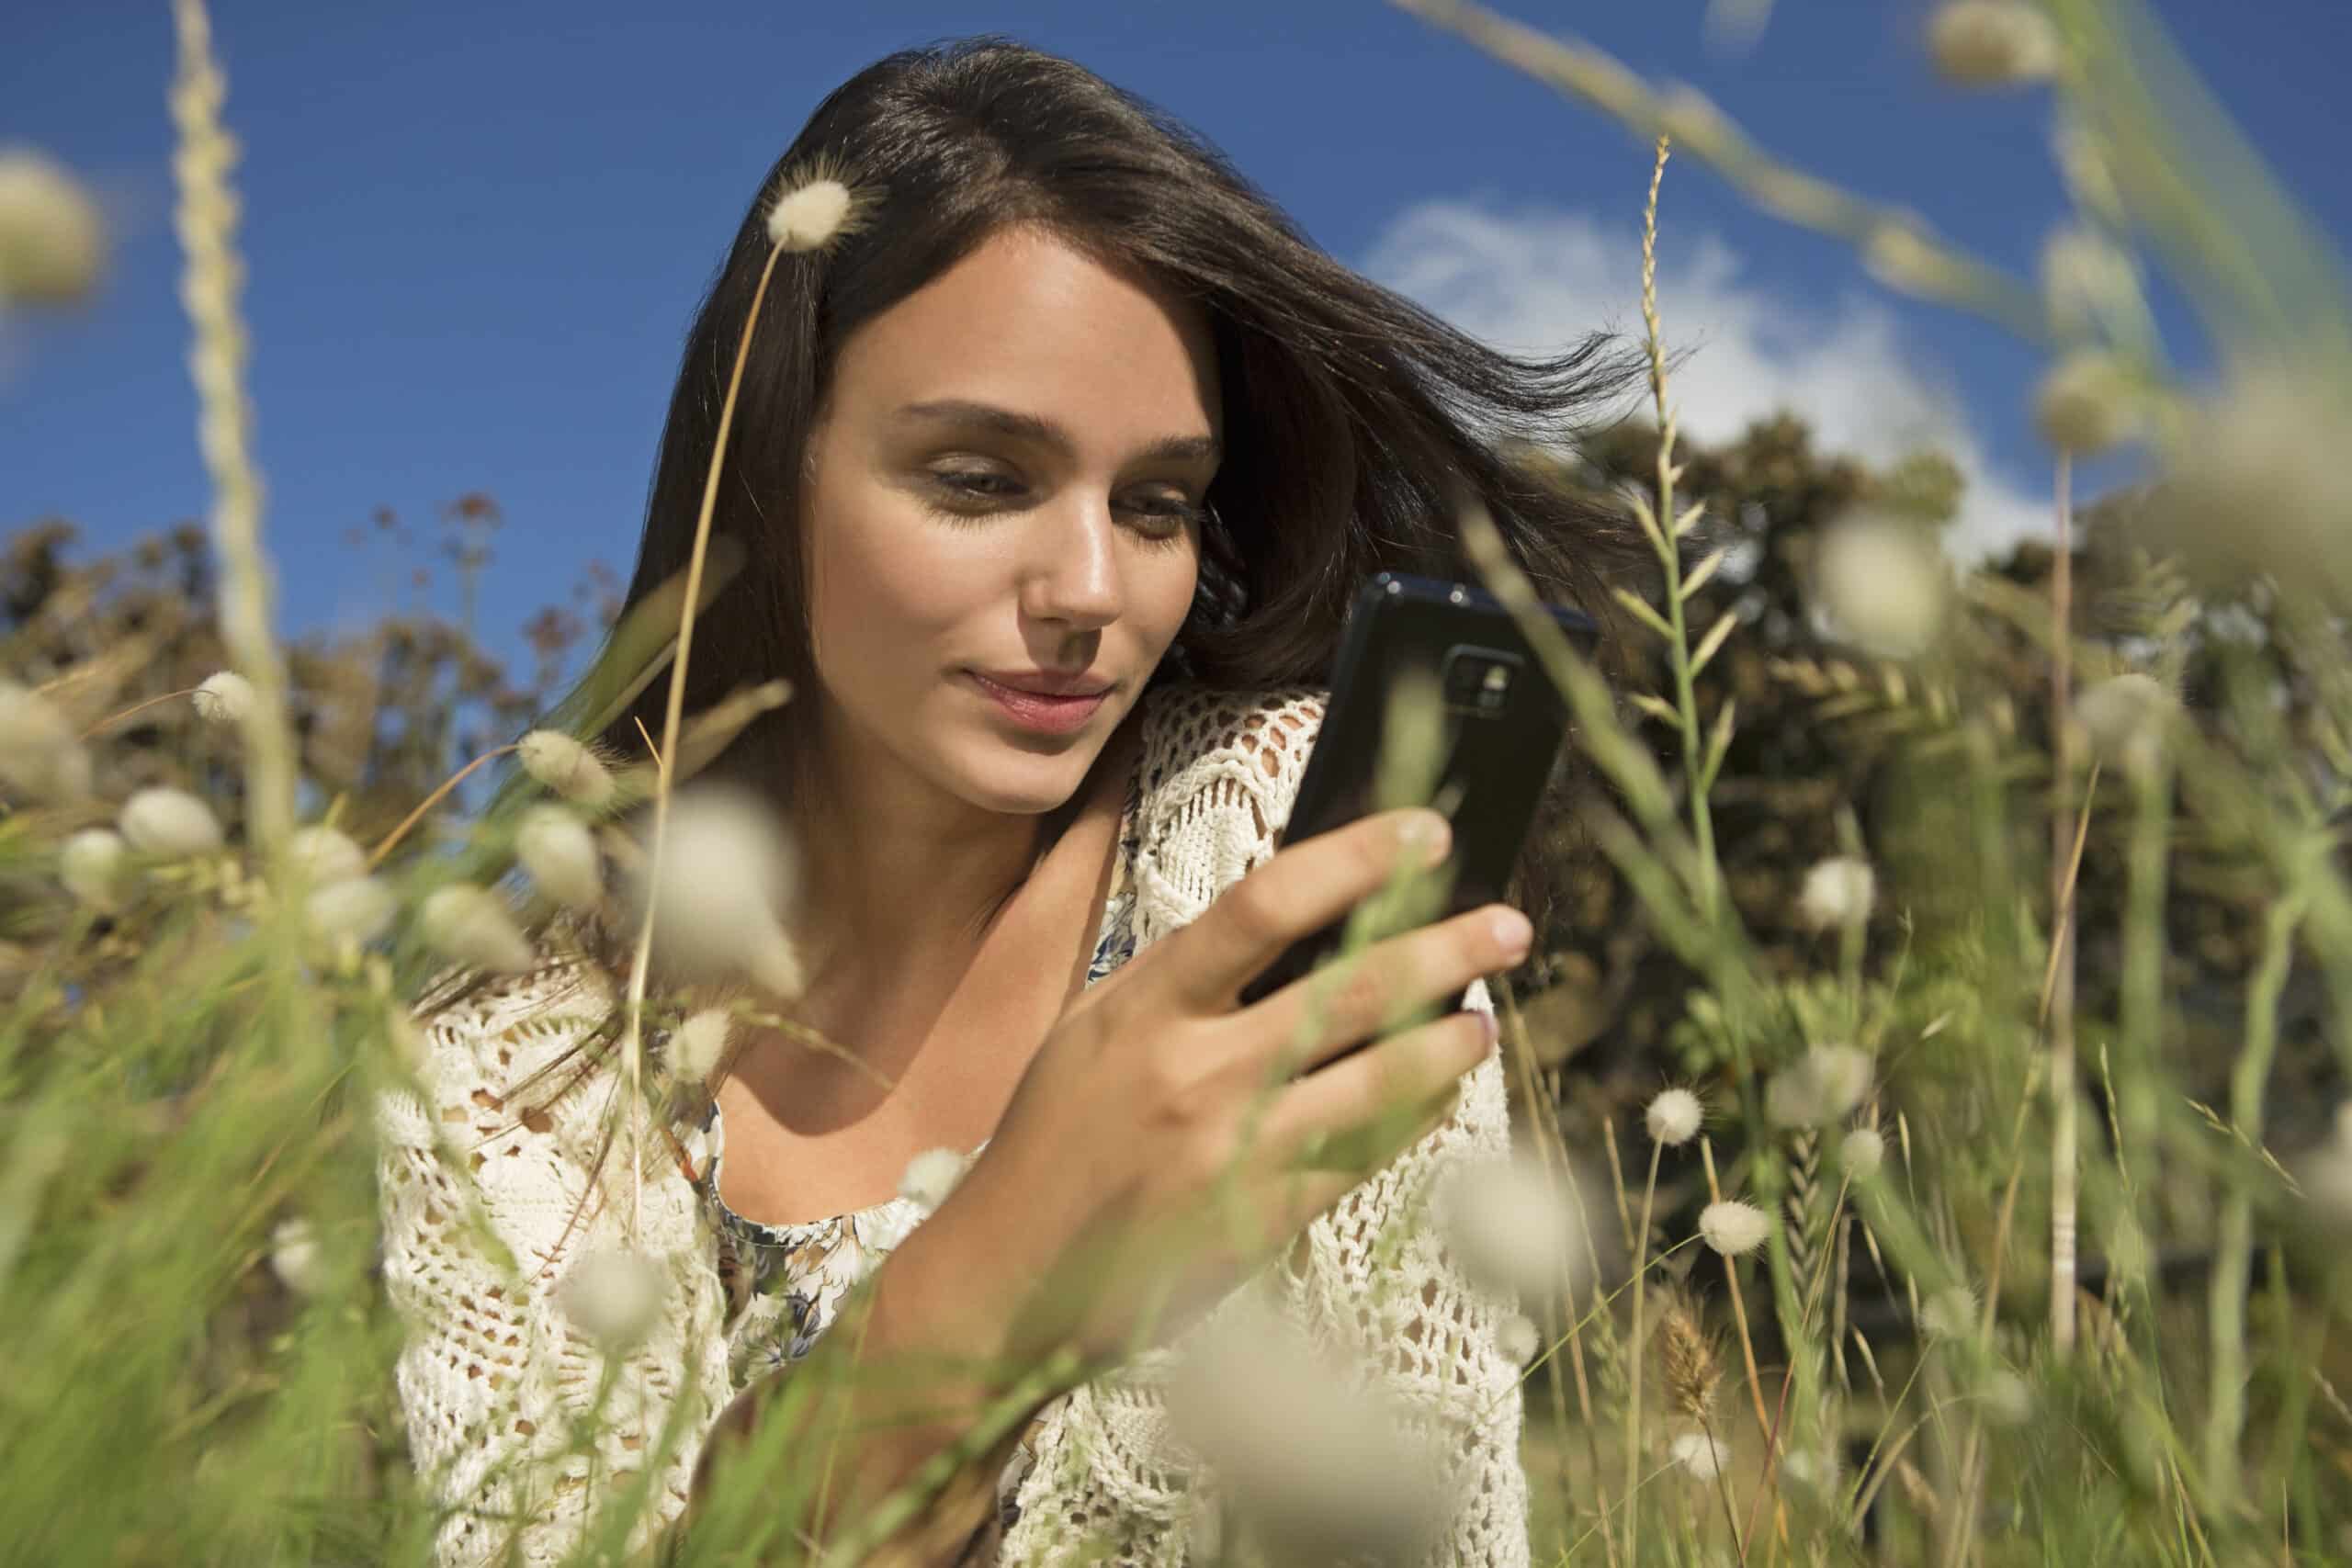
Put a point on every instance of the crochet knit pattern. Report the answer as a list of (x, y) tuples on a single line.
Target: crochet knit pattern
[(487, 1205)]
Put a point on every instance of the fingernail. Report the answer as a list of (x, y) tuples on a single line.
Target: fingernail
[(1429, 833), (1512, 930), (1487, 1022)]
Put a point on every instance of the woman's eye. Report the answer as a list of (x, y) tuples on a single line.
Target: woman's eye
[(1168, 513)]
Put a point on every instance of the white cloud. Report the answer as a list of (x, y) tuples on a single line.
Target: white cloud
[(1538, 279)]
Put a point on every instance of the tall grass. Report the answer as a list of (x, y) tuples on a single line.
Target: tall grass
[(1958, 1266)]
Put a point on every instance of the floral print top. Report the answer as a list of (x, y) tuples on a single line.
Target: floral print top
[(782, 1283)]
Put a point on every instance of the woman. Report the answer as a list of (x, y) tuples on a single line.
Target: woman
[(1065, 406)]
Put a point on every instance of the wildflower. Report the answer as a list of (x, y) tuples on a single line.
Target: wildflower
[(92, 867), (1949, 1313), (1879, 584), (359, 909), (1326, 1471), (1510, 1223), (613, 1296), (1862, 1152), (725, 871), (1733, 1228), (2087, 403), (470, 925), (554, 845), (1840, 891), (225, 697), (566, 767), (807, 218), (40, 757), (165, 821), (1819, 1088), (1701, 1456), (1689, 1361), (1518, 1339), (326, 854), (1673, 1117), (294, 1257), (2265, 457), (52, 240), (930, 1177), (2122, 718), (1992, 43), (698, 1044)]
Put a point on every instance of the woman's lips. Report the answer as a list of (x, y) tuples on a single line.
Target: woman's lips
[(1052, 715)]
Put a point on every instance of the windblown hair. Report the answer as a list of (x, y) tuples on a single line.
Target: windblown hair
[(1354, 418)]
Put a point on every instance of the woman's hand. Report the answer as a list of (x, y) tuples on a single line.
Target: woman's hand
[(1159, 1149)]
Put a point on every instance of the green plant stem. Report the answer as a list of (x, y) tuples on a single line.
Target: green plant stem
[(1638, 1349), (2233, 1241)]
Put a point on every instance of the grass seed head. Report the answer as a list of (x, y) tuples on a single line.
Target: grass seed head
[(1878, 582), (566, 767), (930, 1177), (93, 866), (808, 216), (1673, 1117), (699, 1043), (1841, 891), (1819, 1088), (41, 758), (294, 1257), (357, 909), (555, 848), (1862, 1152), (2088, 402), (614, 1296), (2123, 719), (1518, 1338), (326, 854), (1734, 1228), (1688, 1358), (162, 820), (1513, 1226), (470, 925), (1699, 1456), (1992, 43), (726, 872), (225, 697), (52, 241)]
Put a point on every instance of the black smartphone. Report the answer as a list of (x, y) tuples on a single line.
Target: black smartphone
[(1486, 759)]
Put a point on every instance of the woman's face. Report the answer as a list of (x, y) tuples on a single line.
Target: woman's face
[(1006, 477)]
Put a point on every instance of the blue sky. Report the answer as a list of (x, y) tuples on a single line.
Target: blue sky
[(475, 233)]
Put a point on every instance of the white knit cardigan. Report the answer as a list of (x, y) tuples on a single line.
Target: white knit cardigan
[(493, 1374)]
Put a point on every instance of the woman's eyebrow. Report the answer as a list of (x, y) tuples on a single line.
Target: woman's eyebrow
[(1040, 431)]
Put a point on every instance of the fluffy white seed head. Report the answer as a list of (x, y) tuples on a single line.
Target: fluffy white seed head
[(326, 854), (565, 767), (41, 758), (2087, 402), (1879, 584), (356, 909), (1673, 1117), (162, 820), (558, 851), (294, 1257), (1992, 43), (930, 1177), (1949, 1313), (1732, 1227), (2264, 457), (1513, 1225), (52, 241), (699, 1045), (470, 925), (2087, 279), (1699, 1456), (1815, 1469), (727, 872), (2325, 1174), (806, 218), (1819, 1088), (225, 697), (92, 866), (1518, 1339), (614, 1296), (2122, 721), (2009, 1398), (1322, 1470), (1841, 891), (1862, 1152)]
